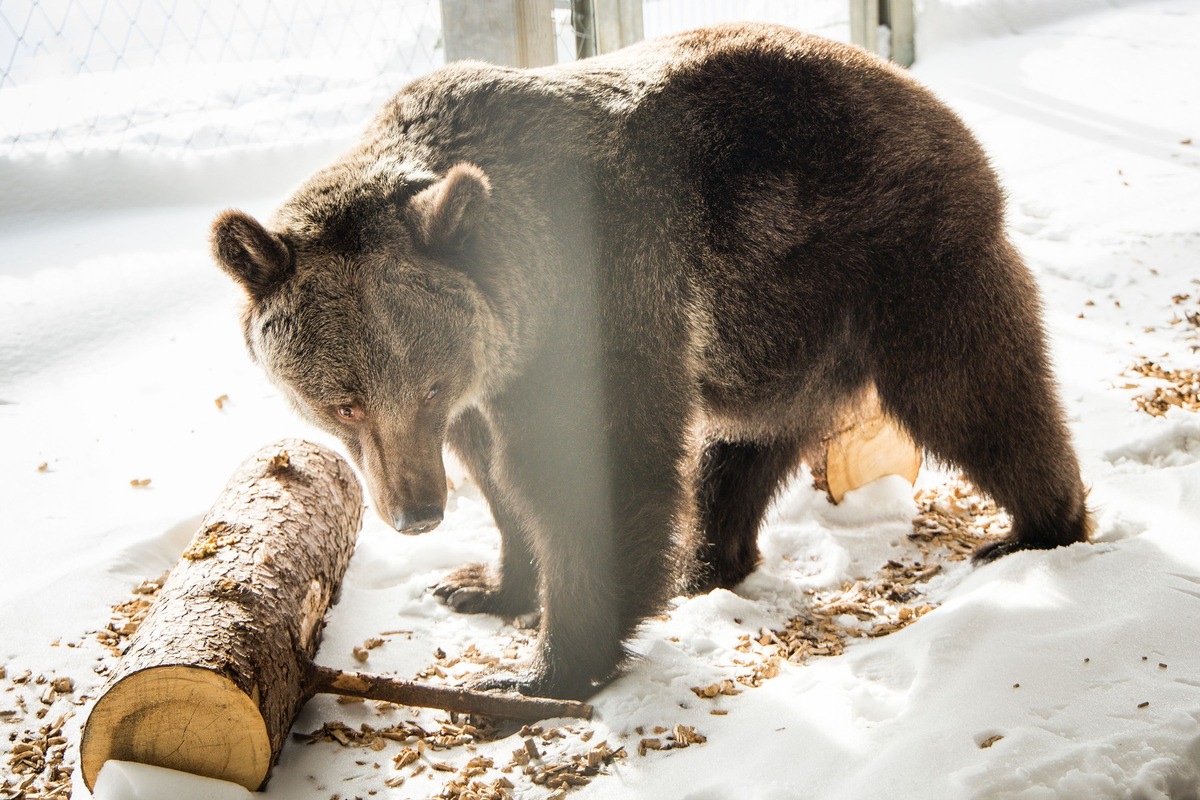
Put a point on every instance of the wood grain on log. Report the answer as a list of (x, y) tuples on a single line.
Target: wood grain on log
[(867, 445), (215, 674)]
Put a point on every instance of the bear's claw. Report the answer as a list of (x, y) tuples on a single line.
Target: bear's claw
[(474, 589)]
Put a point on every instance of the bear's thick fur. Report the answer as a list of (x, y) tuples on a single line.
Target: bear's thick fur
[(630, 292)]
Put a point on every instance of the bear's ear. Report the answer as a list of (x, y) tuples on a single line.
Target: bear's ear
[(443, 212), (256, 258)]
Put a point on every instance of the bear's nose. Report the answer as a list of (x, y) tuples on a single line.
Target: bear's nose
[(422, 520)]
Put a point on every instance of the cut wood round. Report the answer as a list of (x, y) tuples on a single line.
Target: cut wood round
[(867, 445), (191, 718), (214, 676)]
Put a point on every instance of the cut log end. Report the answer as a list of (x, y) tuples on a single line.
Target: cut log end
[(182, 717), (867, 452), (867, 445)]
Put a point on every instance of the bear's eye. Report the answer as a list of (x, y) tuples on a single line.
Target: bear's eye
[(349, 413), (432, 394)]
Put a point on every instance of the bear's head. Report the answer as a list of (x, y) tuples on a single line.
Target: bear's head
[(367, 319)]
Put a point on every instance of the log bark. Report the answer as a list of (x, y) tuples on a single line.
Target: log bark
[(866, 445), (216, 673)]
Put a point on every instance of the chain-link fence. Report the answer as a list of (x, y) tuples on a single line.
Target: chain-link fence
[(194, 75)]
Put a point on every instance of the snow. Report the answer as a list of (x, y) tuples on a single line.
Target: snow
[(88, 78), (128, 780), (118, 336)]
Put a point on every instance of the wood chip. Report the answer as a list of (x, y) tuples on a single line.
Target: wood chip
[(649, 744), (211, 540), (531, 749), (686, 735), (1170, 388), (725, 687)]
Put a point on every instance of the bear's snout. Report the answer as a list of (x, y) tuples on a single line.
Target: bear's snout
[(422, 520), (406, 478)]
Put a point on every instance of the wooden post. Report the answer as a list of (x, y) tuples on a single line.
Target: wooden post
[(864, 24), (514, 33), (537, 45)]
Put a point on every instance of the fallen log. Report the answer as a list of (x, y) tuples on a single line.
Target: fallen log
[(216, 673)]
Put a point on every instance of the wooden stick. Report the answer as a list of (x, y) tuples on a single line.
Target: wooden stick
[(324, 680)]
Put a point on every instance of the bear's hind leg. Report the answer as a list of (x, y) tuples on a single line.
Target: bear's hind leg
[(965, 370), (736, 483)]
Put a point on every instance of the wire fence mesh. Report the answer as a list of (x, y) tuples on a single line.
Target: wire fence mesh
[(195, 75), (187, 76)]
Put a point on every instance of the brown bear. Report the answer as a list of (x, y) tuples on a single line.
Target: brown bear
[(630, 293)]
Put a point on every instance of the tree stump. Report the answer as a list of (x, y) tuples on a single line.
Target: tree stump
[(866, 445), (216, 673)]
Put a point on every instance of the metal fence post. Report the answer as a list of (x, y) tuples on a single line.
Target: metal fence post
[(583, 20), (515, 33), (617, 23)]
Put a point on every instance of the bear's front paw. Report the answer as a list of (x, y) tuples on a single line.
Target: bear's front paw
[(474, 589)]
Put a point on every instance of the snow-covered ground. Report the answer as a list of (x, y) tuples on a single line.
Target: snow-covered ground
[(1065, 674)]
